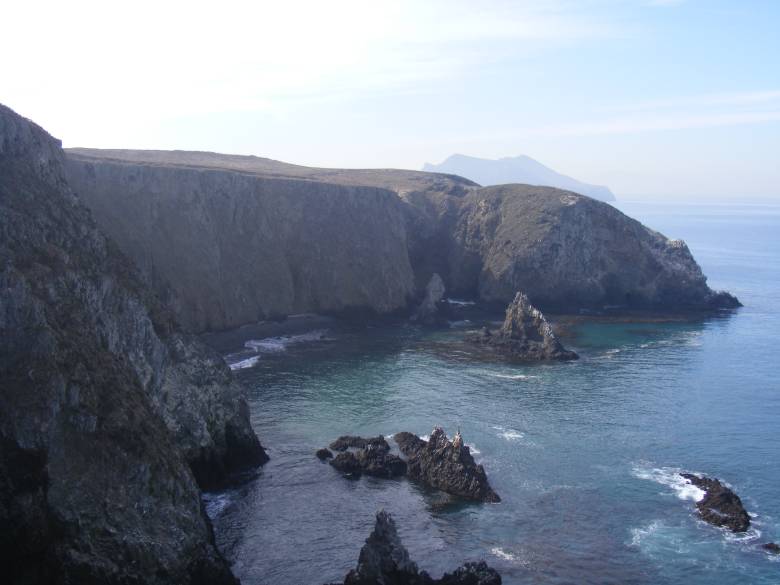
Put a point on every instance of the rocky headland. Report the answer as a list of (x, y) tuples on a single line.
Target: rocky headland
[(385, 560), (228, 240), (720, 506), (524, 335), (111, 418)]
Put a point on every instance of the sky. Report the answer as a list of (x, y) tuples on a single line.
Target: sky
[(657, 99)]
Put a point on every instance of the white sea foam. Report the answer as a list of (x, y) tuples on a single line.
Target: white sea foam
[(514, 376), (460, 302), (245, 363), (461, 323), (277, 344), (215, 504), (502, 554), (638, 535), (473, 449), (509, 434), (670, 477)]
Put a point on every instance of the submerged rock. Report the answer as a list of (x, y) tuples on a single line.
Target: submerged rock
[(324, 454), (446, 465), (384, 560), (720, 506), (430, 311), (525, 334), (771, 547)]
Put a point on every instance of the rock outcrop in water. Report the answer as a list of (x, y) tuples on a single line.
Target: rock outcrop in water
[(720, 506), (525, 334), (229, 240), (372, 456), (109, 415), (430, 311), (445, 465), (771, 547), (384, 560)]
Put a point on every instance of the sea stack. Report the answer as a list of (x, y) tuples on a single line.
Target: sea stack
[(385, 560), (429, 312), (525, 334), (445, 465)]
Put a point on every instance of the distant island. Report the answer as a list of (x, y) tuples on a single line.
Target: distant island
[(516, 169)]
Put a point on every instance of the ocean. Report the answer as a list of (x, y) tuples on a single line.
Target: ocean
[(585, 455)]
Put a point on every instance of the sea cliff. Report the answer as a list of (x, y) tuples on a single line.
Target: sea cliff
[(110, 417), (229, 240)]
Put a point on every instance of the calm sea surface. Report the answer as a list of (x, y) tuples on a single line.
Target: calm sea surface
[(585, 455)]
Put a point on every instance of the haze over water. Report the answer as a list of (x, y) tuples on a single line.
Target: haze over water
[(583, 454)]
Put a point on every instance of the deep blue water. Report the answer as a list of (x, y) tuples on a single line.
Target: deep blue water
[(584, 454)]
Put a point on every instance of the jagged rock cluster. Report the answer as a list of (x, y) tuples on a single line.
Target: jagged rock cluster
[(439, 463), (720, 506), (384, 560), (110, 417), (445, 465), (525, 334), (370, 456), (289, 239)]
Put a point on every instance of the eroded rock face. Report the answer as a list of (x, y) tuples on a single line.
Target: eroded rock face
[(720, 506), (445, 465), (106, 408), (289, 239), (280, 244), (430, 310), (525, 334), (385, 560), (566, 251)]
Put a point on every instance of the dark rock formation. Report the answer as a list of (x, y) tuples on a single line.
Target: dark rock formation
[(289, 239), (445, 465), (771, 547), (348, 441), (525, 334), (323, 454), (106, 408), (384, 560), (370, 456), (720, 506), (431, 310)]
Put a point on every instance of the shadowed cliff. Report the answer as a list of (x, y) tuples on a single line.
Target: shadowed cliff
[(108, 414)]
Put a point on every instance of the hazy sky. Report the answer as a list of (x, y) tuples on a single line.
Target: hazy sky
[(655, 98)]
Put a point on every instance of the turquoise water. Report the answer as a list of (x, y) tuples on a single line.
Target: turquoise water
[(584, 454)]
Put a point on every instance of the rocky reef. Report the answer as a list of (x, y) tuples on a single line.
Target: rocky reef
[(438, 463), (273, 239), (771, 547), (366, 456), (445, 465), (385, 560), (525, 334), (110, 416), (720, 506)]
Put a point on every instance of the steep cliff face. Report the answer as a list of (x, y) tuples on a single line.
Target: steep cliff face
[(228, 248), (232, 239), (106, 410), (568, 251)]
